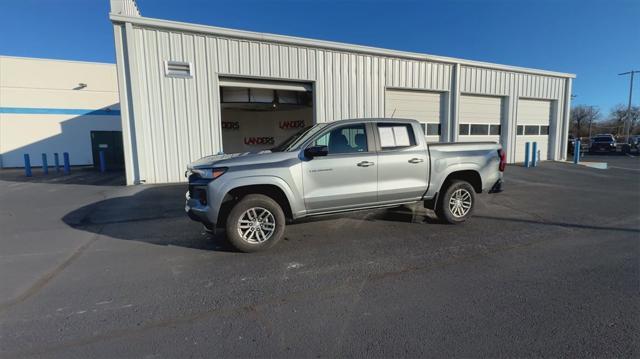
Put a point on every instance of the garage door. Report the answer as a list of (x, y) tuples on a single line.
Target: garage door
[(260, 114), (480, 118), (426, 107), (534, 117)]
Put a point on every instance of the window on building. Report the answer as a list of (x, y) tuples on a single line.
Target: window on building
[(463, 129), (544, 130), (531, 130), (520, 130), (477, 130), (494, 130), (394, 136), (431, 129), (346, 139)]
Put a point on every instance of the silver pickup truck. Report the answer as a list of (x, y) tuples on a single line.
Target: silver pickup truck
[(334, 167)]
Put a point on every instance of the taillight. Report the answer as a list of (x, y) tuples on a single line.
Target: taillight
[(503, 160)]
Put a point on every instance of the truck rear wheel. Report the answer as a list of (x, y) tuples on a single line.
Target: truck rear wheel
[(255, 223), (456, 204)]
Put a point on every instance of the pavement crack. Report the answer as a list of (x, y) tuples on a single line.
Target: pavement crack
[(44, 280)]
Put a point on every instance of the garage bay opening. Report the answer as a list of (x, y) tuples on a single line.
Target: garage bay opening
[(258, 115)]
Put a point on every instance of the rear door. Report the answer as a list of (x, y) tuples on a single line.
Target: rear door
[(347, 177), (109, 142), (403, 163)]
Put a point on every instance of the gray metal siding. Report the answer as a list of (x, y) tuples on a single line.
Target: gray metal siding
[(177, 120), (474, 80), (174, 121)]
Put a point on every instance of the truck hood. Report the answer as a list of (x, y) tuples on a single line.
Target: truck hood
[(244, 158)]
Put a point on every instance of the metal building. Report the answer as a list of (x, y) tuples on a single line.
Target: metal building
[(56, 106), (190, 90)]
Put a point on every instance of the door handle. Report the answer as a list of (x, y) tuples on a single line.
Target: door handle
[(416, 160), (365, 164)]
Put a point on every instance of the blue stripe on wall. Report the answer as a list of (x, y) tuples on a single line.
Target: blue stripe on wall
[(58, 111)]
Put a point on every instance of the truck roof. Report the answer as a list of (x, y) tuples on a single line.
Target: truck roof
[(376, 119)]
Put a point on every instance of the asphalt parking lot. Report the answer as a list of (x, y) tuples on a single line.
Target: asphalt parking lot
[(548, 268)]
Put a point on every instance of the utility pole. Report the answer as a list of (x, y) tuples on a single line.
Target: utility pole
[(627, 127)]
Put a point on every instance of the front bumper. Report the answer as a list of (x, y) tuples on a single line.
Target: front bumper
[(196, 210)]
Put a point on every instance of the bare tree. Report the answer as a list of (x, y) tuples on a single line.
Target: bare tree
[(616, 120), (582, 117)]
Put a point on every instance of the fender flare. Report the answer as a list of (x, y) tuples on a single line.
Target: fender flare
[(459, 167), (268, 181)]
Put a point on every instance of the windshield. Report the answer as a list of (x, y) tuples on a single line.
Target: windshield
[(294, 142), (602, 139)]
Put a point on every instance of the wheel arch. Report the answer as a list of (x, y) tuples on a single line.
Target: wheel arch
[(268, 186), (468, 175)]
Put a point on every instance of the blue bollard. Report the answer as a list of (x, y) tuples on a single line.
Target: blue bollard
[(576, 152), (103, 164), (27, 165), (45, 164), (534, 155), (67, 167), (56, 160), (526, 154)]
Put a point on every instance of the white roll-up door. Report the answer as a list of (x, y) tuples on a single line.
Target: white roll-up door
[(426, 107), (480, 118), (534, 118)]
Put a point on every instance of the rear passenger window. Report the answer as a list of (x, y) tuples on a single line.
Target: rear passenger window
[(394, 136)]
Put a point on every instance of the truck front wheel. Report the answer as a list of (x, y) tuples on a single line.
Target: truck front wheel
[(255, 223), (456, 204)]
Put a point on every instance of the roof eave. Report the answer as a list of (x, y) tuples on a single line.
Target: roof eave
[(329, 45)]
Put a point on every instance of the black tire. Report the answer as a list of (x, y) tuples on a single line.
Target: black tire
[(443, 209), (256, 201)]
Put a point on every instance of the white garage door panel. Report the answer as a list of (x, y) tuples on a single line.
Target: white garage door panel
[(480, 109), (533, 113), (417, 105)]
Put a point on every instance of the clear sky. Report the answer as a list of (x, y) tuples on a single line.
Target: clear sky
[(595, 39)]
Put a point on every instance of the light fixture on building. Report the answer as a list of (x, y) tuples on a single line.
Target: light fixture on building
[(80, 86)]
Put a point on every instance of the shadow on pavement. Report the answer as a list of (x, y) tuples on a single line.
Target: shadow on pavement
[(86, 175), (154, 215)]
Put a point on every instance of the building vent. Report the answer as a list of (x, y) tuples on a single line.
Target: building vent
[(178, 69)]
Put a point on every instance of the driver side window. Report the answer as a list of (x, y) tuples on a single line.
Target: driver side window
[(346, 139)]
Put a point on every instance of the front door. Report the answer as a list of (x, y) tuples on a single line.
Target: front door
[(110, 142), (347, 177)]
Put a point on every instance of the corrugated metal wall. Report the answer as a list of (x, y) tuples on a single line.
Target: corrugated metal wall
[(515, 85), (177, 120)]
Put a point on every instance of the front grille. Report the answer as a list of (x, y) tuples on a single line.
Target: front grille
[(198, 188), (199, 193)]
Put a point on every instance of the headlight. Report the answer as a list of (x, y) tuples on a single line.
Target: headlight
[(207, 173)]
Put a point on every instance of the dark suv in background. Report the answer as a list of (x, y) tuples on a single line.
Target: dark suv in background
[(603, 143)]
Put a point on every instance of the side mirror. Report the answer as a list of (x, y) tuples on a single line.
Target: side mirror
[(316, 151)]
